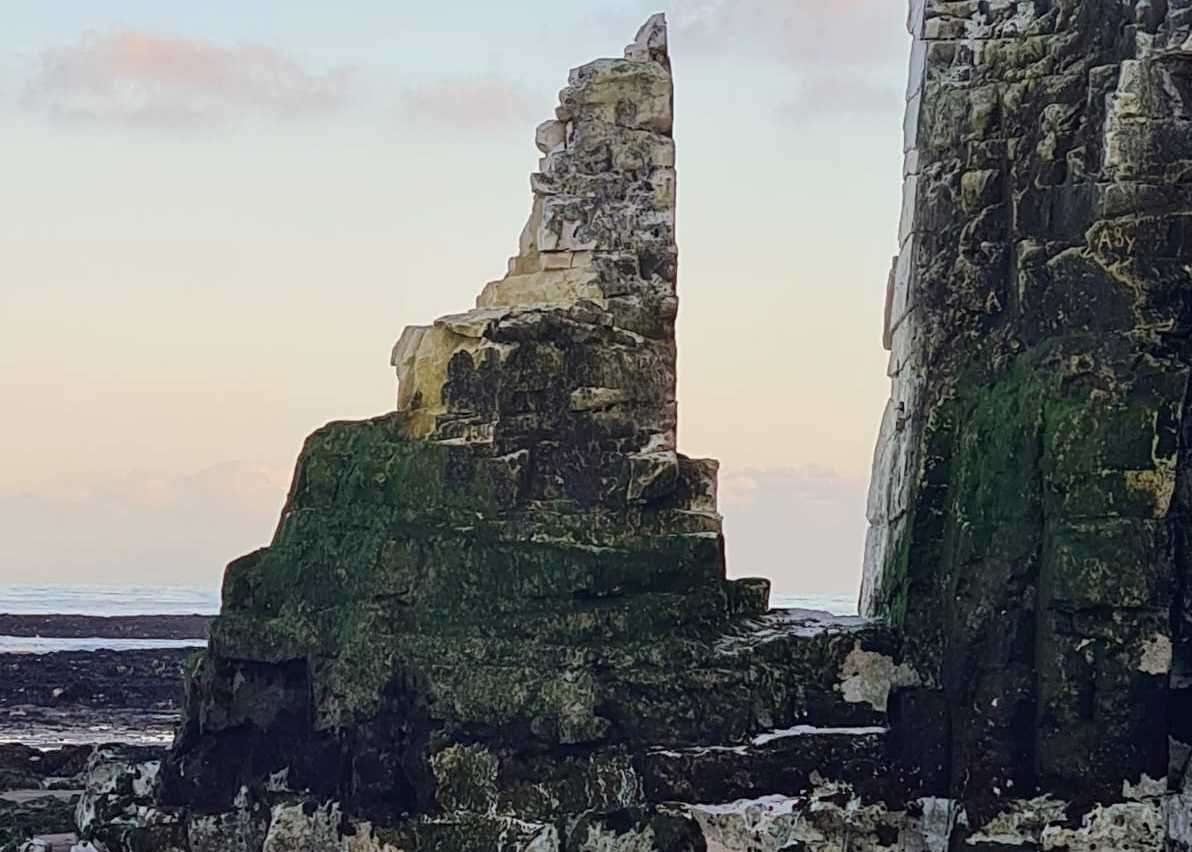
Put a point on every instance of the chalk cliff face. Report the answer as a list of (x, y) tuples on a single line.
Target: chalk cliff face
[(1029, 510)]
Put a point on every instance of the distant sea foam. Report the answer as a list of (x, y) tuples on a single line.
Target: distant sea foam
[(835, 604), (109, 600), (197, 600)]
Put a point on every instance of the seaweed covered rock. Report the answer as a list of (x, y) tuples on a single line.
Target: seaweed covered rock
[(498, 618), (1030, 494), (491, 560), (21, 821)]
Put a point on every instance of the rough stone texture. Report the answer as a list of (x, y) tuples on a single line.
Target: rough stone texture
[(498, 618), (564, 374), (25, 768), (118, 809), (830, 818), (1030, 492), (148, 679), (20, 821)]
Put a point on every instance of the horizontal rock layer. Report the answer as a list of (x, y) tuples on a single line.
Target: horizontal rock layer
[(694, 722)]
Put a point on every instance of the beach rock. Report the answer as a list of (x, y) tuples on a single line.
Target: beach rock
[(499, 617), (480, 612), (118, 809), (61, 842), (21, 821), (149, 679), (25, 768)]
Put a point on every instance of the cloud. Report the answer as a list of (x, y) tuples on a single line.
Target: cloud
[(140, 527), (828, 96), (142, 79), (479, 102), (135, 79), (804, 528), (846, 57), (799, 33)]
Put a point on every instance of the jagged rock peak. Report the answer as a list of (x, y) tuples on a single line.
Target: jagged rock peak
[(613, 123), (651, 43), (593, 280)]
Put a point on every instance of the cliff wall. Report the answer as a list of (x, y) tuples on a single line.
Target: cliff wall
[(1029, 506)]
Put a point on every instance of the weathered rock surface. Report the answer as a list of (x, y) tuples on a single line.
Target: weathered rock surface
[(26, 768), (21, 820), (148, 679), (105, 626), (118, 807), (498, 618), (38, 791), (1030, 495)]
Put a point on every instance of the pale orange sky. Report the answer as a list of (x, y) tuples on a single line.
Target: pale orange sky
[(185, 298)]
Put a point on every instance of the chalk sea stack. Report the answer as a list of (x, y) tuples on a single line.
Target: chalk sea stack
[(498, 618)]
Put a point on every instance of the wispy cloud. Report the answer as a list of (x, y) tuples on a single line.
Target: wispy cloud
[(140, 527), (800, 33), (151, 80), (479, 102), (143, 80), (846, 58), (849, 56)]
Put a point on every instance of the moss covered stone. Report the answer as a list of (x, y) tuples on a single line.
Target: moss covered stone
[(1028, 513)]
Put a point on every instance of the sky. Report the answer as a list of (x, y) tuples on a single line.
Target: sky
[(219, 216)]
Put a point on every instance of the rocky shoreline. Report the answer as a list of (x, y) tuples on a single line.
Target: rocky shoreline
[(69, 626), (149, 679), (59, 710), (43, 791), (500, 616)]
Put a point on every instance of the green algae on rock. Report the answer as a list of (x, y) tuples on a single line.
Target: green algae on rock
[(498, 618), (1027, 513)]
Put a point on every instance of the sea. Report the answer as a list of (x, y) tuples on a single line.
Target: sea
[(201, 600), (102, 600)]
